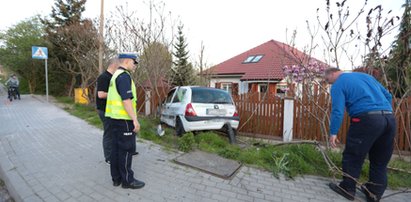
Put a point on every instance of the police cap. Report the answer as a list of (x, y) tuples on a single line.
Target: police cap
[(132, 56)]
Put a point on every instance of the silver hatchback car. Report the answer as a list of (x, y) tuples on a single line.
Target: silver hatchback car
[(193, 108)]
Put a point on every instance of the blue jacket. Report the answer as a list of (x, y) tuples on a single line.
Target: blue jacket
[(357, 93)]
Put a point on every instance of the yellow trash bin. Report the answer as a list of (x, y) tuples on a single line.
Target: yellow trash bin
[(80, 96)]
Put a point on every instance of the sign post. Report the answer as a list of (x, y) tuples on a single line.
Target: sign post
[(42, 54)]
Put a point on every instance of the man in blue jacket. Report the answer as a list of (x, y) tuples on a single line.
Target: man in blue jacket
[(372, 130)]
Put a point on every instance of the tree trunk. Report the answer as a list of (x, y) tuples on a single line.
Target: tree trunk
[(71, 88)]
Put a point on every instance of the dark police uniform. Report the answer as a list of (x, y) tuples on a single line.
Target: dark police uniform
[(124, 138), (124, 142)]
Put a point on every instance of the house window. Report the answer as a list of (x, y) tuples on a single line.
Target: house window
[(227, 87), (253, 59), (248, 60), (281, 90), (262, 88), (257, 58)]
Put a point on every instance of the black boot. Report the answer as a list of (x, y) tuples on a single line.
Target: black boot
[(339, 190), (136, 184), (371, 197)]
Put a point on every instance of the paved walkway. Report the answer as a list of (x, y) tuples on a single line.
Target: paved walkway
[(48, 155)]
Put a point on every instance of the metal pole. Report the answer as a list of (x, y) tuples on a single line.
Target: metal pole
[(101, 39), (47, 84)]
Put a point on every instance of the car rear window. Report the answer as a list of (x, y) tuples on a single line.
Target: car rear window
[(206, 95)]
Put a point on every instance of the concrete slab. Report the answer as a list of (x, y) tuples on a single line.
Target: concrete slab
[(209, 163)]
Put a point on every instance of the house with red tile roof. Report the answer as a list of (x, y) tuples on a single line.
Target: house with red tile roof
[(259, 69)]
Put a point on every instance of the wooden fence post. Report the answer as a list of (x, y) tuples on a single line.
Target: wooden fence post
[(288, 119), (147, 110)]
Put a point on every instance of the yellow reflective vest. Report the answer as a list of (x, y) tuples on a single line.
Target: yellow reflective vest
[(115, 107)]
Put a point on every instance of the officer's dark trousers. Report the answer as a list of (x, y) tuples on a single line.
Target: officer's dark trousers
[(371, 134), (107, 136), (124, 144)]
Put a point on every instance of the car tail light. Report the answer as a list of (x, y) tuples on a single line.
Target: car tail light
[(235, 113), (190, 110)]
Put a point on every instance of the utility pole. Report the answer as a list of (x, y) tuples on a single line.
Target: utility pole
[(101, 38), (409, 31)]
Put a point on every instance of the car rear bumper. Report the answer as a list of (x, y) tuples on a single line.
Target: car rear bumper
[(208, 118), (208, 123)]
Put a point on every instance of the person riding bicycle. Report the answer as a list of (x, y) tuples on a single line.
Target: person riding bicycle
[(13, 82)]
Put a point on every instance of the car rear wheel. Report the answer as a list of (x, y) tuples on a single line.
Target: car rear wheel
[(179, 127)]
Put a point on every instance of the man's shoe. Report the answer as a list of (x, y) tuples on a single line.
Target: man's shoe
[(339, 190), (136, 184), (367, 194), (134, 153), (116, 183)]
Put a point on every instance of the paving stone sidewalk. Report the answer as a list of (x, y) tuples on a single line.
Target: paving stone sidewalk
[(48, 155)]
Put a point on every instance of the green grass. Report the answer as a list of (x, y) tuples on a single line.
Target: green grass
[(290, 160), (399, 179), (85, 112), (65, 100)]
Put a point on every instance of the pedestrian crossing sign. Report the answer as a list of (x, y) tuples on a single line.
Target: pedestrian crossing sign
[(39, 52)]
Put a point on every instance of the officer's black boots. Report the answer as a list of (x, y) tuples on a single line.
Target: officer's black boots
[(136, 184), (116, 183)]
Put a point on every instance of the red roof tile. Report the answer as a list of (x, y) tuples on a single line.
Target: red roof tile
[(276, 56)]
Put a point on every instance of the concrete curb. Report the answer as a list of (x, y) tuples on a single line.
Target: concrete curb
[(13, 180)]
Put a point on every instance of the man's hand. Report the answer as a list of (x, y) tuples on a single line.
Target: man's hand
[(136, 126), (334, 141)]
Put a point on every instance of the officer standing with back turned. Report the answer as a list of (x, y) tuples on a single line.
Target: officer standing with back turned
[(121, 109)]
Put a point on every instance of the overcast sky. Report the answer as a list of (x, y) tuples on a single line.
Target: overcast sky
[(226, 27)]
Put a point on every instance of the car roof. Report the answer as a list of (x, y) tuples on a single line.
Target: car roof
[(208, 88), (197, 87)]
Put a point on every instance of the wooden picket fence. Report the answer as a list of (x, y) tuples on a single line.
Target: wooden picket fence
[(260, 114), (402, 109), (311, 116)]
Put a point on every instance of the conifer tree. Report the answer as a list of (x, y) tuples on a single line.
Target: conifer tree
[(400, 58), (183, 69)]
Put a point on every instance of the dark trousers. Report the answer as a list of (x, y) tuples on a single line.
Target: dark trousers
[(372, 135), (107, 136), (124, 144), (17, 92)]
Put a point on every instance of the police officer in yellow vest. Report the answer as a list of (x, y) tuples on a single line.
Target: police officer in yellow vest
[(121, 110)]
